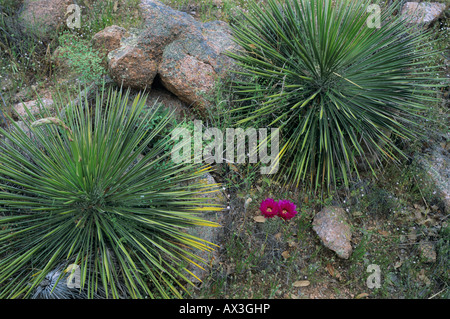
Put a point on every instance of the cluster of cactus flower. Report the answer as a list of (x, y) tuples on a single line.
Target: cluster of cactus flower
[(284, 208)]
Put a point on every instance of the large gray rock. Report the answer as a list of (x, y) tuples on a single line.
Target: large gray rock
[(188, 55), (191, 64), (423, 13), (334, 230)]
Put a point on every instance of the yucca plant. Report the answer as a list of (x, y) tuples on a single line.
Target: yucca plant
[(75, 189), (340, 89)]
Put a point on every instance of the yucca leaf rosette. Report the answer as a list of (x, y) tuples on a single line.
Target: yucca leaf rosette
[(80, 190), (341, 89)]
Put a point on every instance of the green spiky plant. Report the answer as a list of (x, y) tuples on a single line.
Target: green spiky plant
[(76, 189), (340, 89)]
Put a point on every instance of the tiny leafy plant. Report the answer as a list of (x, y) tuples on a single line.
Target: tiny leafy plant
[(340, 90), (81, 58), (76, 189)]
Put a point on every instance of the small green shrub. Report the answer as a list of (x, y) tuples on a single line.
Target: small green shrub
[(77, 190), (151, 124), (341, 92)]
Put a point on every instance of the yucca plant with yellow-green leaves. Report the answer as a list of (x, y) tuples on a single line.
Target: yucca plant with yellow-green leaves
[(341, 88), (77, 190)]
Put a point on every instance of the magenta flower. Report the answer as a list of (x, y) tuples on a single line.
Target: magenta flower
[(286, 209), (269, 208)]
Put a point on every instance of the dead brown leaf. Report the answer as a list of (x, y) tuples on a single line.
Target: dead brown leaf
[(285, 254), (398, 264), (333, 272), (302, 283), (292, 243), (383, 232), (233, 167)]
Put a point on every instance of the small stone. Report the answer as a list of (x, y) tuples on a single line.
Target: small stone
[(398, 264), (412, 236), (357, 214), (33, 106), (427, 252), (302, 283)]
